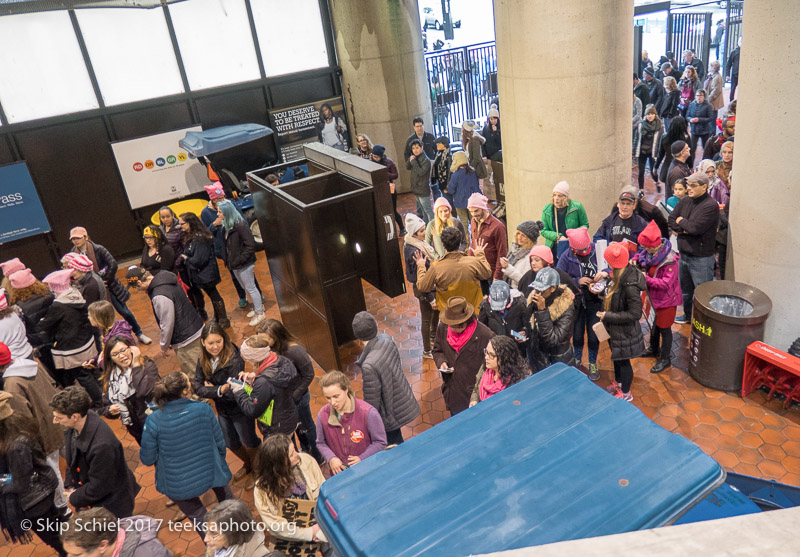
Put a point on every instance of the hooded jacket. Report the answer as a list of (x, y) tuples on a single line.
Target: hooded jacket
[(33, 388), (67, 321), (272, 383), (184, 441), (13, 335), (200, 262), (550, 330), (475, 155), (664, 286), (385, 386), (622, 318), (240, 247)]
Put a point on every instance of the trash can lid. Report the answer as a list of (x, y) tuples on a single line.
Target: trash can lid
[(729, 311)]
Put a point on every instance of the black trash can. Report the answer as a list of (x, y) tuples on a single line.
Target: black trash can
[(726, 317)]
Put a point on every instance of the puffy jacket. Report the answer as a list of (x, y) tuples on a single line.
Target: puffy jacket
[(462, 185), (664, 286), (186, 321), (385, 386), (272, 384), (97, 469), (141, 538), (705, 115), (550, 330), (622, 318), (698, 229), (575, 218), (184, 441), (226, 404), (240, 247), (200, 262)]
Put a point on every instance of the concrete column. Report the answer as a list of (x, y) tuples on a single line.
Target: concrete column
[(765, 206), (564, 75), (379, 45)]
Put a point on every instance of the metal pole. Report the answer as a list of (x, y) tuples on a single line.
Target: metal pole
[(447, 24)]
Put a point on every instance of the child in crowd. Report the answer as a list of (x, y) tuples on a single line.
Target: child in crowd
[(679, 191)]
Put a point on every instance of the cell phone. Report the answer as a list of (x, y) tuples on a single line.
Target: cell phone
[(518, 336), (447, 370), (235, 381)]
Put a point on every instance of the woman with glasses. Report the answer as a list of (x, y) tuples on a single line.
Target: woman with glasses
[(503, 366), (128, 381), (363, 146)]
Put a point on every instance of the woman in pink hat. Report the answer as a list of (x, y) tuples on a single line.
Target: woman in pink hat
[(442, 218), (34, 299), (67, 326), (540, 257), (12, 329), (622, 309)]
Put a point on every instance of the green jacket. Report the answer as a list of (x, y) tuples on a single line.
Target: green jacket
[(575, 218)]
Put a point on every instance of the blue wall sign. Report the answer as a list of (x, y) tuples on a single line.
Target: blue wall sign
[(21, 212)]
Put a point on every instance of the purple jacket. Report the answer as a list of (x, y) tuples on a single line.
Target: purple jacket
[(665, 287)]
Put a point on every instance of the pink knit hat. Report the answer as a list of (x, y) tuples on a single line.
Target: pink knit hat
[(215, 190), (617, 255), (578, 238), (442, 202), (22, 279), (3, 299), (81, 263), (58, 281), (562, 187), (478, 201), (542, 252), (11, 266)]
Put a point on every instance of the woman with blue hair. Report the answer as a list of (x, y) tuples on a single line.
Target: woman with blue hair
[(240, 255)]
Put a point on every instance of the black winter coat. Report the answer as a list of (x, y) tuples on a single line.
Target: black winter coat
[(669, 106), (67, 325), (514, 320), (493, 143), (622, 318), (226, 404), (272, 384), (698, 229), (90, 290), (163, 260), (550, 330), (706, 116), (240, 247), (305, 371), (143, 379), (97, 470), (107, 269), (657, 93), (32, 479), (200, 262), (33, 309)]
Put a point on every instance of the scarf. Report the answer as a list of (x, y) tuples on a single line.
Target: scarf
[(271, 358), (426, 249), (646, 260), (119, 389), (458, 340), (121, 533), (651, 127), (489, 386), (89, 252), (516, 253), (298, 490)]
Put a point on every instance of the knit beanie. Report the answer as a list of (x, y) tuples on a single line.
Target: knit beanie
[(478, 201), (578, 238), (81, 263), (531, 229), (617, 255), (3, 299), (542, 252), (364, 326), (493, 113), (11, 266), (5, 357), (441, 202), (413, 224), (677, 147), (22, 279), (215, 190), (58, 281), (562, 187), (378, 150), (459, 159), (650, 237), (444, 140)]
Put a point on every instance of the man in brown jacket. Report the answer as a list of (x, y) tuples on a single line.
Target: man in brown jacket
[(32, 390), (455, 274)]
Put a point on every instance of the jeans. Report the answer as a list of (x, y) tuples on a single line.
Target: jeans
[(195, 510), (238, 430), (623, 374), (247, 276), (308, 428), (693, 271), (436, 192), (58, 497), (699, 138), (237, 285), (430, 322), (126, 314), (424, 208), (643, 166), (587, 316)]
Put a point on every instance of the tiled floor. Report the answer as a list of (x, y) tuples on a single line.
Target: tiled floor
[(748, 436)]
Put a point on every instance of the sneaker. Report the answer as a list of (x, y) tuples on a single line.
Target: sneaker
[(614, 387), (682, 320), (428, 355), (627, 397), (144, 339), (242, 302), (263, 299), (251, 313), (594, 373), (258, 318)]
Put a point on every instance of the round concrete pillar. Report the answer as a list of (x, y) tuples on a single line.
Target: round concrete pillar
[(379, 45), (564, 77), (765, 211)]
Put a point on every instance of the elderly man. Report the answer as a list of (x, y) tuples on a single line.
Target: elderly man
[(624, 223), (689, 59), (695, 219), (679, 167), (485, 226)]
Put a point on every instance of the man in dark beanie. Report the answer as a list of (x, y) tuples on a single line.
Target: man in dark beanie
[(440, 175), (385, 386), (678, 168), (656, 88)]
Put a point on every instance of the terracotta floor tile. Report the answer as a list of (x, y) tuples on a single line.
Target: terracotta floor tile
[(726, 458), (726, 442), (792, 464), (729, 428), (792, 448), (772, 452), (771, 470), (773, 436), (750, 440), (748, 455)]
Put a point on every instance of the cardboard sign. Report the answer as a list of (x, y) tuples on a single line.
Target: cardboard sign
[(301, 512)]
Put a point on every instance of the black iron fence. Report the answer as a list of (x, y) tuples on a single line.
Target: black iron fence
[(690, 31), (463, 83)]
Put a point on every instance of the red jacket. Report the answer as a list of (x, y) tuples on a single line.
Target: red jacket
[(493, 232)]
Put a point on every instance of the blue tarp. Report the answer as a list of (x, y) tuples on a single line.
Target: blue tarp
[(215, 140)]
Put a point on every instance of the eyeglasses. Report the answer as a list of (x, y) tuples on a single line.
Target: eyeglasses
[(118, 353)]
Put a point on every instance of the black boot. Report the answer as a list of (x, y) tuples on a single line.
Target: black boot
[(653, 351), (661, 365), (220, 315)]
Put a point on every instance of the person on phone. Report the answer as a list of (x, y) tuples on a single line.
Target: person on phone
[(503, 311), (551, 314), (623, 224), (540, 257), (458, 352), (429, 311), (502, 367), (348, 429), (128, 380)]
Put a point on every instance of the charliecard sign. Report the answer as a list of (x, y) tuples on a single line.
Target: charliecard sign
[(21, 212)]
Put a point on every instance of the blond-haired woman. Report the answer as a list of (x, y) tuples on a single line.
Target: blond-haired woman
[(669, 107), (442, 218)]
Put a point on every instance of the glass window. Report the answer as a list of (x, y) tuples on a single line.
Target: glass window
[(42, 71), (131, 53), (215, 41), (290, 35)]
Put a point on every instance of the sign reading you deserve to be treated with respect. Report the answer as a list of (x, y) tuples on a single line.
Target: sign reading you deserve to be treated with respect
[(21, 212)]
